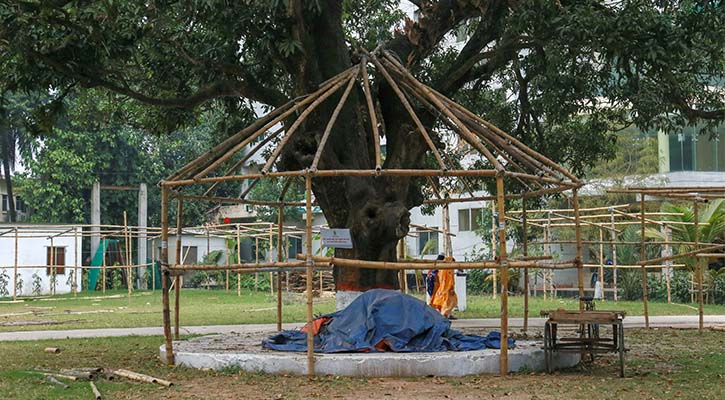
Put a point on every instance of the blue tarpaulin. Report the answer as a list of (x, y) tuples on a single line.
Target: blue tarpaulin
[(384, 320)]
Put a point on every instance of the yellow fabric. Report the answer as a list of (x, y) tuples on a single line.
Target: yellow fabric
[(444, 298)]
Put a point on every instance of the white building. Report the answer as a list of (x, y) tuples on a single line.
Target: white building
[(20, 207), (34, 250)]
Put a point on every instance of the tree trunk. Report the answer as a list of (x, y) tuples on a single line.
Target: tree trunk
[(6, 143), (375, 209)]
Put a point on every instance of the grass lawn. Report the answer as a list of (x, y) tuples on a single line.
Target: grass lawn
[(661, 364), (217, 307)]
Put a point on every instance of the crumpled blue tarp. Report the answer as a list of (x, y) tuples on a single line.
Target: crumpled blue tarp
[(387, 319)]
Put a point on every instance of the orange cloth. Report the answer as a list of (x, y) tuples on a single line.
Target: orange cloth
[(444, 298)]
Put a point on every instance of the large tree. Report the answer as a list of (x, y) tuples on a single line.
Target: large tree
[(557, 73)]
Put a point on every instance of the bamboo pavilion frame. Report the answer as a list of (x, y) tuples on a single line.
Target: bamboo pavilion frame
[(509, 160)]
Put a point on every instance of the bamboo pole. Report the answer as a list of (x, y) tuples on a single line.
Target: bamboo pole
[(177, 278), (128, 256), (256, 260), (15, 276), (371, 110), (310, 264), (614, 255), (643, 256), (493, 246), (579, 254), (668, 268), (239, 260), (229, 254), (153, 265), (165, 274), (503, 262), (331, 122), (270, 255), (103, 263), (548, 252), (698, 268), (524, 228), (75, 264), (95, 391), (601, 262), (52, 267), (280, 253)]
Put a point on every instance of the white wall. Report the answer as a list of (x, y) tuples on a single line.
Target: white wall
[(199, 241), (32, 252)]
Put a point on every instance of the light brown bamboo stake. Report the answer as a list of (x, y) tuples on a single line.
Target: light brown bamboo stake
[(280, 253), (286, 274), (128, 256), (524, 228), (310, 265), (15, 277), (153, 265), (698, 268), (141, 377), (256, 260), (331, 122), (548, 252), (579, 254), (503, 262), (668, 264), (239, 260), (643, 256), (405, 275), (103, 263), (226, 282), (371, 110), (493, 246), (601, 261), (75, 264), (177, 279), (165, 274), (52, 267), (269, 251), (614, 255), (96, 393)]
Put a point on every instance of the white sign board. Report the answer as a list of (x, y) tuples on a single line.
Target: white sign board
[(337, 238)]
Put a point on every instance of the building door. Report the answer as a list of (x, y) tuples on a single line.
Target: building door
[(58, 260)]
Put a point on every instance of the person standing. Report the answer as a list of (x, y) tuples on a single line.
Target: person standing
[(444, 299)]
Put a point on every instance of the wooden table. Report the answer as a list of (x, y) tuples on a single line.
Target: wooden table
[(589, 341)]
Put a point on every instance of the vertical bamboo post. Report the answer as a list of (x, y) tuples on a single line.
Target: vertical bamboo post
[(404, 248), (153, 265), (668, 263), (614, 255), (547, 252), (128, 256), (601, 262), (524, 228), (52, 267), (104, 248), (229, 254), (579, 254), (239, 261), (280, 254), (165, 274), (493, 247), (15, 276), (177, 279), (643, 256), (698, 268), (309, 263), (271, 259), (75, 263), (256, 261), (503, 264)]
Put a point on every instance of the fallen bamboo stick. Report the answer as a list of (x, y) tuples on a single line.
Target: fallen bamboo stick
[(141, 377), (56, 375), (54, 350), (95, 391), (57, 382)]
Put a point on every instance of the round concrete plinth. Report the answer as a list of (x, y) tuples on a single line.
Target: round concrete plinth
[(245, 352)]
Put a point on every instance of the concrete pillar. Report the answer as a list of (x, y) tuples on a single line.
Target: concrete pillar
[(95, 217), (142, 223)]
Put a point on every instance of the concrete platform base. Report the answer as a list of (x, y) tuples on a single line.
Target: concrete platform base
[(245, 352)]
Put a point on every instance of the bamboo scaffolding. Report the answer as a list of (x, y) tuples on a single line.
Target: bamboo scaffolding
[(643, 256)]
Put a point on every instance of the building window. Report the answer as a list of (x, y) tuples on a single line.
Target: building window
[(5, 202), (55, 259), (427, 243), (469, 219), (294, 247), (188, 255)]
